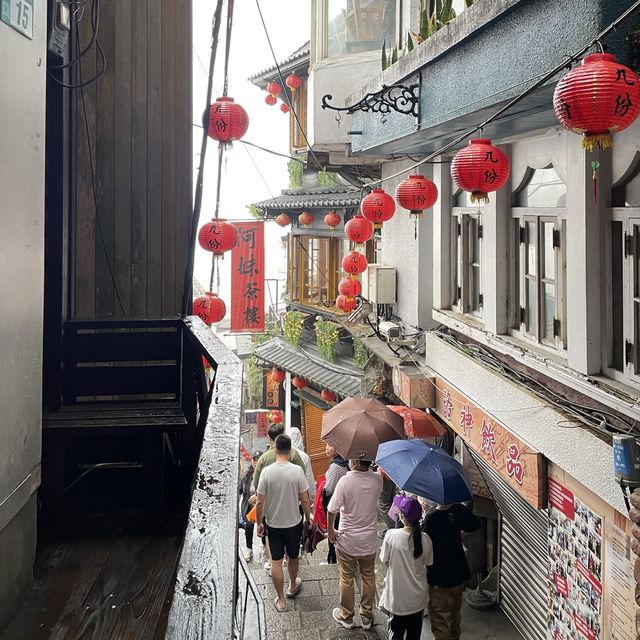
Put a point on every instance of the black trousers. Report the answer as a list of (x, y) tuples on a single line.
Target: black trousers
[(405, 627), (331, 554)]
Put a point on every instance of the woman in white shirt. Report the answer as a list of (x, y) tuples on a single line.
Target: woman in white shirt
[(406, 552)]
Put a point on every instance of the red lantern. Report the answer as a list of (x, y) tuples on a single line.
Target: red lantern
[(345, 304), (276, 417), (217, 236), (354, 262), (358, 229), (480, 168), (293, 82), (328, 396), (284, 107), (416, 193), (274, 89), (598, 98), (378, 207), (299, 382), (278, 375), (228, 121), (283, 220), (209, 308), (270, 100), (332, 220), (305, 219), (350, 287)]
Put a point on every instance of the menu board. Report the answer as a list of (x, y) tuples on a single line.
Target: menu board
[(575, 567)]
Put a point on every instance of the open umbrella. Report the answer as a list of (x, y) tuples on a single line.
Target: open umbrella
[(425, 470), (419, 424), (356, 426)]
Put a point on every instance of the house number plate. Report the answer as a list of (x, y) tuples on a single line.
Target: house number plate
[(19, 15)]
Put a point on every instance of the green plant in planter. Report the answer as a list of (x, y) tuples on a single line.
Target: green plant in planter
[(326, 337), (293, 321), (361, 354)]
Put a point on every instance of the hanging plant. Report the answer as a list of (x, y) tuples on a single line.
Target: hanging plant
[(293, 322), (326, 338), (361, 354)]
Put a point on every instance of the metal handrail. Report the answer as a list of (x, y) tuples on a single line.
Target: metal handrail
[(243, 602)]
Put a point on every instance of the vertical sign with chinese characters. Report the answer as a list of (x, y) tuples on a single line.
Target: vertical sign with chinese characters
[(272, 392), (247, 278)]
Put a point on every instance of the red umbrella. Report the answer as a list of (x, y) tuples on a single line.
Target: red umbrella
[(418, 424)]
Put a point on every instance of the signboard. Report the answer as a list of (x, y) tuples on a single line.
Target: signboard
[(520, 465), (262, 424), (272, 392), (19, 15), (247, 278), (575, 569)]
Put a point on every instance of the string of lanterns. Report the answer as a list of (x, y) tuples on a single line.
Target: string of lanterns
[(274, 90)]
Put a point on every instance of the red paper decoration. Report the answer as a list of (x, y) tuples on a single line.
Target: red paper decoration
[(480, 168), (346, 304), (228, 121), (350, 287), (293, 81), (275, 417), (378, 207), (284, 107), (305, 219), (283, 220), (274, 89), (209, 308), (217, 236), (598, 98), (354, 262), (332, 220), (270, 100), (328, 396), (417, 193), (277, 375), (299, 382), (358, 229)]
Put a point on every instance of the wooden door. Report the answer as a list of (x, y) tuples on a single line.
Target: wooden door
[(314, 446)]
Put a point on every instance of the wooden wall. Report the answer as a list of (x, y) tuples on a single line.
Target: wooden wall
[(139, 118)]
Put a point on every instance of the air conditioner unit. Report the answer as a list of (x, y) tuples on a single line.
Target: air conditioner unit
[(379, 284)]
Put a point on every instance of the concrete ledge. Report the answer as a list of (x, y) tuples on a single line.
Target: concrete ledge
[(16, 500)]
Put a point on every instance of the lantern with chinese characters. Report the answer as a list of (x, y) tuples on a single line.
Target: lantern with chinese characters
[(284, 107), (217, 236), (283, 220), (305, 219), (328, 396), (358, 229), (209, 308), (277, 375), (354, 262), (275, 417), (293, 81), (416, 193), (346, 304), (332, 220), (299, 382), (598, 98), (228, 121), (480, 168), (350, 287), (274, 89), (270, 100), (378, 207)]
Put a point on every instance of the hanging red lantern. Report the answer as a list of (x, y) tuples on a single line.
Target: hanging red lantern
[(283, 220), (346, 304), (378, 207), (205, 363), (359, 229), (275, 417), (209, 308), (284, 107), (274, 89), (270, 100), (328, 396), (480, 168), (416, 193), (305, 219), (217, 236), (293, 81), (350, 287), (332, 220), (228, 121), (277, 375), (299, 382), (354, 262), (598, 98)]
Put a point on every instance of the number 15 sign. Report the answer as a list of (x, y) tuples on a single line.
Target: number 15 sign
[(19, 15)]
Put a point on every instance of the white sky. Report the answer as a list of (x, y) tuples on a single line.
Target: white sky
[(288, 24)]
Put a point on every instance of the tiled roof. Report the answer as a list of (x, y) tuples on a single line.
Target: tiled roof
[(268, 74), (337, 376), (311, 198)]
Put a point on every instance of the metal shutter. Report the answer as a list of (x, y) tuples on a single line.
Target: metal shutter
[(524, 531)]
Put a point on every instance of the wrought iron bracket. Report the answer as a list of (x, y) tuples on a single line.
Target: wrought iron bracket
[(396, 97)]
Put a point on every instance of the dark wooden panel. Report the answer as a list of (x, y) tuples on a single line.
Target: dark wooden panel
[(160, 323), (106, 413), (121, 405), (116, 426)]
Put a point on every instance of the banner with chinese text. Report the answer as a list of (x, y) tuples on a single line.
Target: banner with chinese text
[(520, 465), (272, 392), (247, 278)]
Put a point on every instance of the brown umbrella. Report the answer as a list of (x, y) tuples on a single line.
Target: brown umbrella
[(356, 426)]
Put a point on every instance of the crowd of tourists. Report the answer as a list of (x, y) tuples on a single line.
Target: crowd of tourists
[(426, 566)]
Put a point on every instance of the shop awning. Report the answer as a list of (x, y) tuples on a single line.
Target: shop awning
[(311, 198), (339, 377)]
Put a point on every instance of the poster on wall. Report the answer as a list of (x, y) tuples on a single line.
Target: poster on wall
[(575, 567), (273, 395)]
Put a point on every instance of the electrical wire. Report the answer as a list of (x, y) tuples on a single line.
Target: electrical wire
[(95, 24)]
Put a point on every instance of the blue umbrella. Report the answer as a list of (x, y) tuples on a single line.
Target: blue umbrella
[(425, 470)]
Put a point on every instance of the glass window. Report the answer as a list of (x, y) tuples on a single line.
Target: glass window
[(316, 270), (542, 188), (617, 296), (467, 290)]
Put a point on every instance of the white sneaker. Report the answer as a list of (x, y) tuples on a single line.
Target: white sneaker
[(267, 568), (367, 624), (248, 555)]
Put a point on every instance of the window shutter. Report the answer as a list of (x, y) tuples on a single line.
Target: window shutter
[(315, 447)]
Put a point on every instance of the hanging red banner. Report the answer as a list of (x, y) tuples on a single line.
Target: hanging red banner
[(247, 278)]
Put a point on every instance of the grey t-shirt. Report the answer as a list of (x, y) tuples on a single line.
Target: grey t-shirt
[(281, 483)]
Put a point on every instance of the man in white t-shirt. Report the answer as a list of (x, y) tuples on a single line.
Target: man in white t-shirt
[(282, 488)]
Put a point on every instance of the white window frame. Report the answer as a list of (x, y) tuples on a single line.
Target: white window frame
[(463, 294)]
